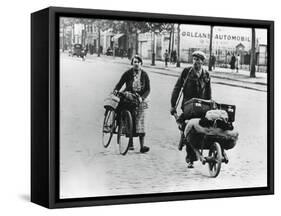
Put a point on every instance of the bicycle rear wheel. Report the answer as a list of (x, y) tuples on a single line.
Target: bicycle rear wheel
[(215, 154), (108, 127), (125, 131)]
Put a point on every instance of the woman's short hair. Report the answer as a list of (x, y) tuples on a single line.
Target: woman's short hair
[(136, 57)]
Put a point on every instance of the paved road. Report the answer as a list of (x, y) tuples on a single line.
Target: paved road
[(87, 169)]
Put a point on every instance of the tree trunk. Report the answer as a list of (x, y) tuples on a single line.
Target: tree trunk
[(63, 37), (129, 50), (98, 41), (253, 55), (137, 43), (153, 49), (85, 35), (173, 38), (170, 40), (178, 59), (210, 48), (73, 34)]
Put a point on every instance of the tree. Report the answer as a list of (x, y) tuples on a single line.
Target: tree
[(153, 28), (101, 25), (253, 54), (65, 23), (70, 22), (134, 28)]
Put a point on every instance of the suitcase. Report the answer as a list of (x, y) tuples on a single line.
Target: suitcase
[(197, 108), (230, 109)]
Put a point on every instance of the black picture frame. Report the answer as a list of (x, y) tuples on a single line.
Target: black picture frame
[(45, 107)]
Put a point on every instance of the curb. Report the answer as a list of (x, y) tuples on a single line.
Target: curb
[(212, 75), (243, 81), (216, 82)]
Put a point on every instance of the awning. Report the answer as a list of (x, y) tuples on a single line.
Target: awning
[(116, 37)]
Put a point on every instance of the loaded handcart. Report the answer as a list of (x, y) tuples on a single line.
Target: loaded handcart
[(209, 127)]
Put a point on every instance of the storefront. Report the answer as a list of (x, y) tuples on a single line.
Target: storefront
[(226, 41)]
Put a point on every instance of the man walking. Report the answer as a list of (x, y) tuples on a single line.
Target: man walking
[(194, 82)]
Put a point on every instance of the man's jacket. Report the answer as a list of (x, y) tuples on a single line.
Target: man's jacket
[(195, 87)]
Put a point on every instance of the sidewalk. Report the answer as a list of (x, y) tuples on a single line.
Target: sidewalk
[(240, 79), (223, 76), (223, 73)]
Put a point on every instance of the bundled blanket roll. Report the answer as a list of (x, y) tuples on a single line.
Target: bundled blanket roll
[(228, 138)]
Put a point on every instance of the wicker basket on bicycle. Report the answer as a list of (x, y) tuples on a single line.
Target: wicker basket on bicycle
[(111, 102)]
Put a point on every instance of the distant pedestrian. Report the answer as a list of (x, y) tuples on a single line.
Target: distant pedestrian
[(174, 56), (213, 61), (129, 53), (101, 50), (166, 58), (232, 62), (237, 63)]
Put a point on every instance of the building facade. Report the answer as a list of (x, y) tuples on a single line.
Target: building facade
[(226, 42)]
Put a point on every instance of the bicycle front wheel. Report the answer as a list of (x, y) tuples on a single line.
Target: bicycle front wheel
[(108, 127), (125, 131)]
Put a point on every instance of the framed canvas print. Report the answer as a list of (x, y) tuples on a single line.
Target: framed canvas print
[(139, 107)]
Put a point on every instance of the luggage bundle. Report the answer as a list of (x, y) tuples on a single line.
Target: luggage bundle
[(197, 108), (129, 100), (194, 133), (121, 99), (211, 119)]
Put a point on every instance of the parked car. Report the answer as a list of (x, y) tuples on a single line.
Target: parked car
[(109, 52), (78, 51)]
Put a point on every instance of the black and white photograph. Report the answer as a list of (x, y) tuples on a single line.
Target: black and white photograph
[(160, 107), (140, 107)]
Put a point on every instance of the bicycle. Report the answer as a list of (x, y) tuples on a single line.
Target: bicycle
[(118, 120)]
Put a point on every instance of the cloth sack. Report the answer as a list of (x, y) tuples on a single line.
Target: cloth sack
[(213, 115), (228, 138)]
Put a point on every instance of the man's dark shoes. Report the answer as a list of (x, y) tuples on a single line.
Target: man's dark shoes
[(189, 162), (144, 149), (131, 147), (190, 165)]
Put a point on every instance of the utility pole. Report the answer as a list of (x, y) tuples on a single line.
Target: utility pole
[(210, 48), (253, 54), (178, 58)]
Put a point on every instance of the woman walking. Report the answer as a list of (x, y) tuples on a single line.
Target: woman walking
[(137, 82)]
